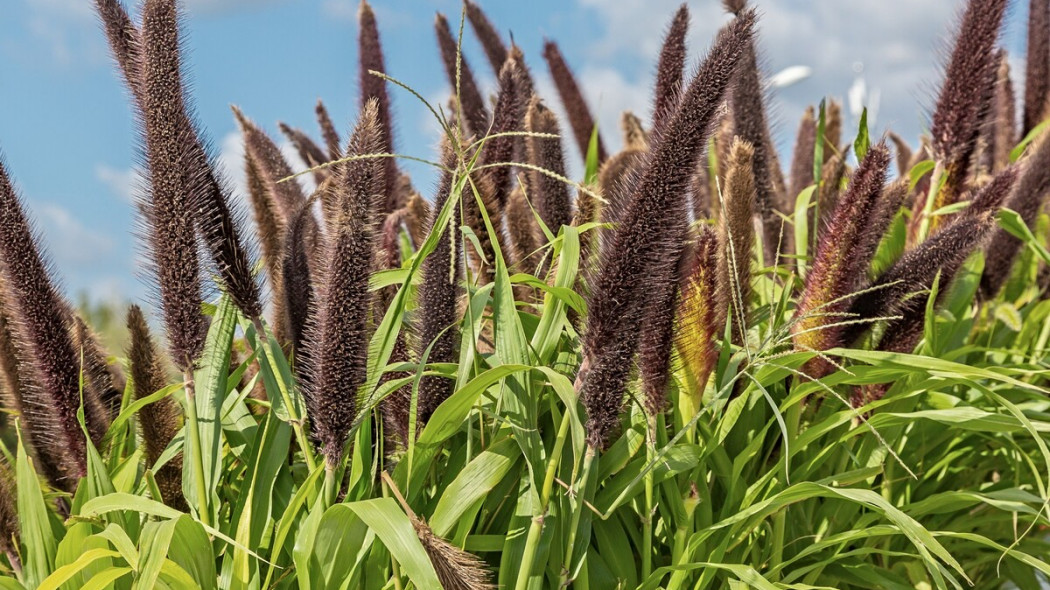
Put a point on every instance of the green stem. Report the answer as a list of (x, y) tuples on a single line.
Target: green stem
[(791, 419), (570, 543), (647, 518), (330, 489), (532, 542), (936, 179), (196, 458)]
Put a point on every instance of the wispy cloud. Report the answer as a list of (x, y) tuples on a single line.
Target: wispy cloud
[(122, 182), (69, 241)]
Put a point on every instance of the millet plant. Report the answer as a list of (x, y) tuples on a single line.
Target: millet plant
[(691, 368)]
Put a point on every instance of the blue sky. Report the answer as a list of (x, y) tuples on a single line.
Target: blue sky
[(66, 128)]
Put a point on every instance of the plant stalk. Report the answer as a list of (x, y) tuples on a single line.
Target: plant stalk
[(196, 458)]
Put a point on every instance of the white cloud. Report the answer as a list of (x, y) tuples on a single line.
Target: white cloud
[(898, 54), (124, 183), (69, 241)]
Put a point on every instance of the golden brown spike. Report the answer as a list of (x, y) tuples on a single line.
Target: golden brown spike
[(736, 242)]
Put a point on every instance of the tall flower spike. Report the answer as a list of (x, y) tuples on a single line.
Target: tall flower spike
[(580, 118), (656, 341), (634, 134), (475, 115), (311, 153), (124, 40), (1031, 192), (522, 229), (907, 282), (170, 219), (1037, 65), (670, 68), (52, 394), (216, 223), (103, 385), (269, 225), (551, 196), (370, 51), (271, 165), (945, 251), (159, 420), (802, 157), (507, 116), (639, 246), (10, 375), (17, 398), (841, 263), (749, 123), (833, 127), (616, 178), (336, 347), (904, 153), (296, 279), (1004, 126), (736, 243), (700, 312), (328, 132), (491, 43), (438, 297), (965, 96)]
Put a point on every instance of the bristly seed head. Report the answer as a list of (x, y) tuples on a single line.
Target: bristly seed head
[(670, 68), (50, 363), (641, 246), (580, 118), (370, 52), (550, 195), (475, 115), (335, 349)]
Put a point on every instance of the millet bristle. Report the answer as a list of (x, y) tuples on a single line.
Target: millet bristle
[(749, 123), (640, 247), (336, 345), (736, 242), (208, 197), (438, 314), (840, 265), (966, 94), (370, 51), (50, 376), (550, 195), (802, 156), (702, 317), (522, 229), (456, 569), (170, 219), (670, 68), (491, 42), (159, 420), (475, 114), (945, 252), (1031, 192), (1037, 65), (1003, 133), (296, 278), (507, 116), (328, 131), (580, 118), (103, 389), (311, 153)]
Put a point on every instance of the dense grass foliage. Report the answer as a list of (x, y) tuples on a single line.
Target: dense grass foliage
[(682, 371)]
